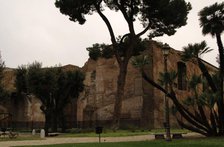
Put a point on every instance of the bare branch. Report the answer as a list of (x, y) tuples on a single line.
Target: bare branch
[(143, 32), (129, 19), (107, 22), (183, 111), (192, 128)]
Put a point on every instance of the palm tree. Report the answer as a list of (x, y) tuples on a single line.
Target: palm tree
[(196, 51), (140, 61), (196, 121), (212, 22), (167, 78)]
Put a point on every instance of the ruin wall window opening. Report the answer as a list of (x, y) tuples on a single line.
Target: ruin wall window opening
[(182, 76)]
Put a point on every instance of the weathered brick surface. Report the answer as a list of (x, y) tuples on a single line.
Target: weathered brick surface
[(142, 102)]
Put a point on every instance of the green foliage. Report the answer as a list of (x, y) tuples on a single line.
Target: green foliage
[(174, 110), (94, 51), (70, 83), (190, 142), (21, 79), (195, 50), (140, 61), (211, 19), (2, 67), (195, 81), (165, 16), (189, 101), (100, 50), (4, 94), (46, 82), (37, 81), (76, 9), (157, 16), (202, 110), (167, 78), (216, 78), (53, 86), (107, 52), (208, 99), (162, 16), (139, 46)]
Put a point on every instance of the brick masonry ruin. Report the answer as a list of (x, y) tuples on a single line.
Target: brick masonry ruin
[(142, 106)]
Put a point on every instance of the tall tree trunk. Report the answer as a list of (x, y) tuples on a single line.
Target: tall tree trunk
[(55, 120), (206, 74), (194, 121), (47, 123), (120, 94), (62, 121), (220, 101)]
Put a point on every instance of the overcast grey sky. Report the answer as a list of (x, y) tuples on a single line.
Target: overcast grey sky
[(34, 30)]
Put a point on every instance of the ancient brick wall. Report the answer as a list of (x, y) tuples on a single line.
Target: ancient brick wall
[(142, 102), (172, 65), (143, 105), (97, 102)]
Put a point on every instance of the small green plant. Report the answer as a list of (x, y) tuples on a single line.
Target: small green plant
[(94, 52), (107, 52)]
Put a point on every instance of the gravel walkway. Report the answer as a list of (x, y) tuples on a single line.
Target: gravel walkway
[(55, 140)]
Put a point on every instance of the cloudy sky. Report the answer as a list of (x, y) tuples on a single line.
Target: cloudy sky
[(34, 30)]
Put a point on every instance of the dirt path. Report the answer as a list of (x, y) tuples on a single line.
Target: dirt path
[(55, 140)]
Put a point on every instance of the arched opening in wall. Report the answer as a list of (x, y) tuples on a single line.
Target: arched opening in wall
[(182, 76)]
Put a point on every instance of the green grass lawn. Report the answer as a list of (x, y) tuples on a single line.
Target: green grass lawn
[(107, 133), (119, 133), (211, 142)]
